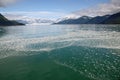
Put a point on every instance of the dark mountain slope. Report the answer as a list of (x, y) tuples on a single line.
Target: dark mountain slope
[(98, 19), (113, 19), (5, 22)]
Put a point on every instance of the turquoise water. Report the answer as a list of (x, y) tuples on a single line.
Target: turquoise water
[(60, 52)]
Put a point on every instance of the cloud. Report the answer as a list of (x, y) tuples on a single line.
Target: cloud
[(99, 10), (4, 3), (35, 14)]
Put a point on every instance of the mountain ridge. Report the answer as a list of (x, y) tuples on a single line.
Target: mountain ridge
[(113, 19), (5, 22), (106, 19)]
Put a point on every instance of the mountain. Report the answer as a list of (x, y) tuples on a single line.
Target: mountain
[(35, 21), (5, 22), (106, 19), (113, 19), (22, 21), (81, 20), (97, 20)]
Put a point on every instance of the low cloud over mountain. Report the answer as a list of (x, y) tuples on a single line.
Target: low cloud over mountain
[(98, 10)]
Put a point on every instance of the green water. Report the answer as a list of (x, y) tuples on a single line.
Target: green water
[(60, 52)]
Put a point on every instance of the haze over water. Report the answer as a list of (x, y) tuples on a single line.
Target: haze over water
[(60, 52)]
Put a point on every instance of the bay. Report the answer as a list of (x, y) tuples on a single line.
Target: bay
[(60, 52)]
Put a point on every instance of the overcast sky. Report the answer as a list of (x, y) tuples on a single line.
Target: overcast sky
[(53, 9)]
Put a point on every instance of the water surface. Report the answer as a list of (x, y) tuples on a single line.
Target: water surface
[(60, 52)]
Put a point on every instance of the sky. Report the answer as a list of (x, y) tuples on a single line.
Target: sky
[(54, 9)]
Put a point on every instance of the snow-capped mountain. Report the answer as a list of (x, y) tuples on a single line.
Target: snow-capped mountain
[(65, 18), (34, 21)]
